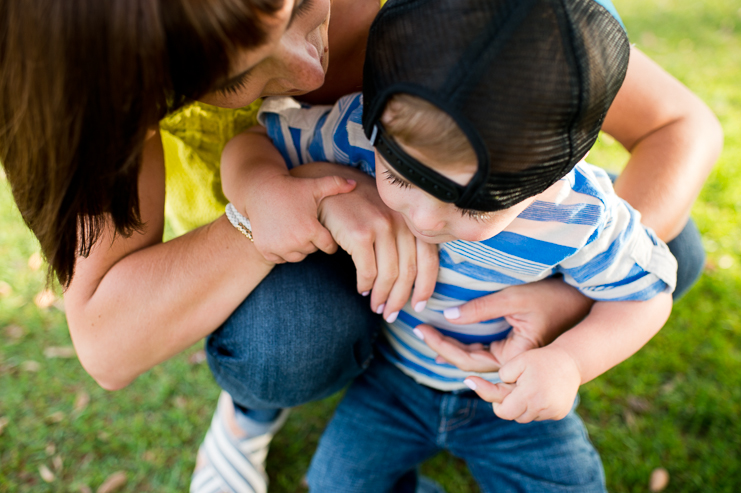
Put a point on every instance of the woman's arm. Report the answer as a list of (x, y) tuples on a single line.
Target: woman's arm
[(673, 139), (135, 302)]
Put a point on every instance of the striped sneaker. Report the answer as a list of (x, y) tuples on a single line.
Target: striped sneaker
[(228, 463)]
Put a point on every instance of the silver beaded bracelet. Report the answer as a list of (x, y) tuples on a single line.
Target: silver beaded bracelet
[(239, 221)]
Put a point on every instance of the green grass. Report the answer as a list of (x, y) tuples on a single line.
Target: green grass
[(674, 405)]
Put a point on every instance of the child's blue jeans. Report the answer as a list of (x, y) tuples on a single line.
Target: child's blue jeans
[(387, 424)]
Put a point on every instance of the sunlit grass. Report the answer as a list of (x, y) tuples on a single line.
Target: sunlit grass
[(674, 405)]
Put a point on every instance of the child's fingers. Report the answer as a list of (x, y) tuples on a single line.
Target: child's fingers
[(512, 407), (406, 246), (511, 371), (428, 264), (465, 357), (331, 185), (365, 266), (387, 264), (490, 392)]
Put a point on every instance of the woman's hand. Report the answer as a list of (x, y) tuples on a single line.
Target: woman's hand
[(390, 262), (538, 313), (281, 208)]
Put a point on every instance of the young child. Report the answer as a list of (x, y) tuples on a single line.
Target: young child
[(480, 114)]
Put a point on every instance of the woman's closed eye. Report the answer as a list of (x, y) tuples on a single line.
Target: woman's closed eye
[(235, 85), (300, 9)]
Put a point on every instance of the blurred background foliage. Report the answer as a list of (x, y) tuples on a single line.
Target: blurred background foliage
[(675, 405)]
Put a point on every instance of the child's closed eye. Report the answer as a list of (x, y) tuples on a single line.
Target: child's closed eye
[(475, 215), (395, 180)]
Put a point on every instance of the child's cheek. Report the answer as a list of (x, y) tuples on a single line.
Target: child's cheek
[(391, 195)]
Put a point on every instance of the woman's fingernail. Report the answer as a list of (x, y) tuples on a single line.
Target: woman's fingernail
[(419, 334), (420, 306), (380, 308), (391, 318), (351, 182), (470, 384), (365, 293), (452, 313)]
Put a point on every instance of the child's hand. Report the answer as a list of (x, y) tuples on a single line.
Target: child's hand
[(283, 214), (390, 262), (545, 380)]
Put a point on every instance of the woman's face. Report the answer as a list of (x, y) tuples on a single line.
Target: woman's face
[(292, 61)]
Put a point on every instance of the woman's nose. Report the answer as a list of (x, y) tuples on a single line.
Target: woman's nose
[(298, 70)]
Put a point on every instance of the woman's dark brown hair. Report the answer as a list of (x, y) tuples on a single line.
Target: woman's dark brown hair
[(81, 83)]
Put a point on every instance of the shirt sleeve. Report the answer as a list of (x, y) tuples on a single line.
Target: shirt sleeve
[(304, 133), (622, 260)]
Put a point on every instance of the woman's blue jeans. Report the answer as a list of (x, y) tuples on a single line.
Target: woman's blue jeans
[(304, 332)]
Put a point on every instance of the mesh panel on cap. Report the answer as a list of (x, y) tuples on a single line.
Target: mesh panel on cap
[(528, 81)]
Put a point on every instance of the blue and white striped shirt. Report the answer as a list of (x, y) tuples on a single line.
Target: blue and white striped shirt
[(578, 228)]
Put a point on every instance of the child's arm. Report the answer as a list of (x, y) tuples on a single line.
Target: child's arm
[(282, 209), (546, 380)]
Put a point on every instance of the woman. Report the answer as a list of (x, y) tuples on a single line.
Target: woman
[(79, 139)]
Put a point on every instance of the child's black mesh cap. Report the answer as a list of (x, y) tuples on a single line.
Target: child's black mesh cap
[(528, 81)]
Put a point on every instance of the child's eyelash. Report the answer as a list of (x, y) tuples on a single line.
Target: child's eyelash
[(475, 215), (395, 180)]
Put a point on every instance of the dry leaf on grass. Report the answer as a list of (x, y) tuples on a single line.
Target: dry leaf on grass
[(3, 423), (60, 352), (56, 417), (659, 479), (5, 289), (81, 401), (113, 482), (638, 404), (51, 449), (85, 489), (31, 366), (630, 419), (35, 261), (180, 402), (45, 298), (46, 474), (197, 358), (14, 332), (57, 463)]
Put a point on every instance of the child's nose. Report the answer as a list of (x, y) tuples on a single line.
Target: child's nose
[(427, 219)]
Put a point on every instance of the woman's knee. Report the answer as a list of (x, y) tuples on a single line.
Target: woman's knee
[(300, 336), (688, 250)]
